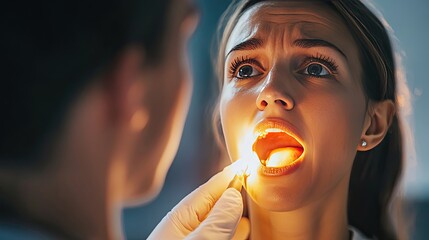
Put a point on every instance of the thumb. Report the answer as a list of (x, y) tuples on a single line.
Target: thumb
[(223, 219)]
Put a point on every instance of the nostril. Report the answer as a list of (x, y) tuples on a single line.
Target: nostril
[(283, 103), (264, 103)]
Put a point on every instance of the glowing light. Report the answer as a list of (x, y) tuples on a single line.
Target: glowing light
[(247, 155), (240, 167)]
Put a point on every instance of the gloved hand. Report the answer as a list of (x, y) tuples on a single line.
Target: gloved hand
[(210, 212)]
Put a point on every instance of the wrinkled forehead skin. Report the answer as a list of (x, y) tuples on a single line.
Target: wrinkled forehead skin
[(293, 19)]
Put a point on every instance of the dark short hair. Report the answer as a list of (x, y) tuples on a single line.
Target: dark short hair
[(51, 50)]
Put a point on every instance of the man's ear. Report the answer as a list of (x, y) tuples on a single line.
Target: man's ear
[(377, 122), (125, 85)]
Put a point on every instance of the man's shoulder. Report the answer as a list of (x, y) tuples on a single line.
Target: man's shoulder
[(13, 230)]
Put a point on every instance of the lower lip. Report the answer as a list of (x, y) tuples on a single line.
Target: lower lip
[(281, 171)]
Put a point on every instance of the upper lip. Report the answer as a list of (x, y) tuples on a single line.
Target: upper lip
[(291, 139)]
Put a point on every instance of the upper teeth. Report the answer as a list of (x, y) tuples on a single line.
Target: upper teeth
[(272, 130)]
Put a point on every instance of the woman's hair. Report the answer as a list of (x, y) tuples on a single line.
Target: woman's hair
[(52, 50), (375, 173)]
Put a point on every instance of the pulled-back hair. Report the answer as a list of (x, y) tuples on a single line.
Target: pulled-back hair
[(375, 173), (51, 50)]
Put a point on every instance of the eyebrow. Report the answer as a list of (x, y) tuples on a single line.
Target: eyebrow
[(309, 43), (255, 43), (250, 44)]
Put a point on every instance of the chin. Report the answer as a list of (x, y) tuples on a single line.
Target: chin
[(152, 193), (276, 200), (148, 182), (145, 193), (280, 193)]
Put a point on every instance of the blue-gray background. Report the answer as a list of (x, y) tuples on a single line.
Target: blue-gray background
[(197, 157)]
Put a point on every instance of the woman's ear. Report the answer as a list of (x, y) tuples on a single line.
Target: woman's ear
[(377, 122)]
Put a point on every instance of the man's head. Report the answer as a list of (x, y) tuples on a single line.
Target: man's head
[(103, 84)]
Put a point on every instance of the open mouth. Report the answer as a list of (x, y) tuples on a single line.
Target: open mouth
[(276, 148)]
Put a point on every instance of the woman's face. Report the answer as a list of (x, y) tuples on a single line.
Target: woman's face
[(292, 94)]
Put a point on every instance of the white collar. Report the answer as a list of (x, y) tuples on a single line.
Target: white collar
[(357, 235)]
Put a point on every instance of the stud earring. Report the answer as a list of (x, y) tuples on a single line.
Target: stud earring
[(363, 143)]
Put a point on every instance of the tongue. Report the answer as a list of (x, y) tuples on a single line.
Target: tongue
[(281, 157)]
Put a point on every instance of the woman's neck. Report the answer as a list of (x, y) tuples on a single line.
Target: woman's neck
[(322, 219)]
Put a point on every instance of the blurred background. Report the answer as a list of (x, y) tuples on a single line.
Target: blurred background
[(198, 156)]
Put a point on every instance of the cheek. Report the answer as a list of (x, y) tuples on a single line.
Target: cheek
[(335, 123), (236, 114), (228, 120)]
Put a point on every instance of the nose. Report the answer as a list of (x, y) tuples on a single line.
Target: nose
[(270, 96)]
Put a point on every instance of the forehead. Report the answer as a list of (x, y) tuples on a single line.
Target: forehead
[(295, 19)]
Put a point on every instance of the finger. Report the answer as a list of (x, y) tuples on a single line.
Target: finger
[(216, 185), (223, 218), (195, 207), (219, 182)]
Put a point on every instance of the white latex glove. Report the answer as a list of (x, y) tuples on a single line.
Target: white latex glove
[(210, 212)]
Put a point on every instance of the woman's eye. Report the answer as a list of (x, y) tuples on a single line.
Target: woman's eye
[(247, 71), (316, 70)]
